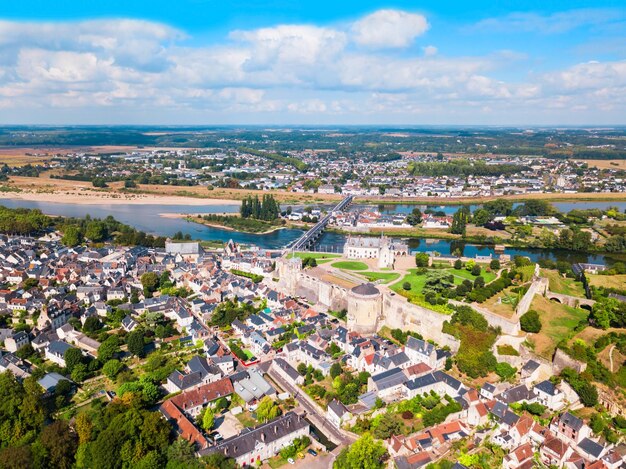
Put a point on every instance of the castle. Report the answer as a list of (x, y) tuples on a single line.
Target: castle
[(369, 306), (384, 249)]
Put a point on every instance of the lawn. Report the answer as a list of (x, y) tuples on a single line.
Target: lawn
[(350, 265), (558, 322), (417, 281), (609, 281), (386, 277), (248, 353), (320, 257), (560, 284)]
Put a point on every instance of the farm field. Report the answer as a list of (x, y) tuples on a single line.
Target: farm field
[(610, 281)]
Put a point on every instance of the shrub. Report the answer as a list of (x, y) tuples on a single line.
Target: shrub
[(458, 264), (476, 270), (530, 322), (494, 264), (406, 286)]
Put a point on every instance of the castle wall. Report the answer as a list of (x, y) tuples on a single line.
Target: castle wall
[(399, 313)]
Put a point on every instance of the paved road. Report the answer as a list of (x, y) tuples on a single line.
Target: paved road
[(337, 436)]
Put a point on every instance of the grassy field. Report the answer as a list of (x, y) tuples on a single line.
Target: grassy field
[(560, 284), (320, 257), (558, 322), (606, 164), (350, 265), (417, 281), (609, 281), (386, 277), (503, 304)]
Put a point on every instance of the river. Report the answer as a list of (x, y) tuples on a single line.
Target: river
[(146, 217)]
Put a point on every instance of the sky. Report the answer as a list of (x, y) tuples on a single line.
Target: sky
[(290, 62)]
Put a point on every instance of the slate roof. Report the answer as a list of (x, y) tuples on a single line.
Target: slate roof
[(246, 441), (388, 379), (547, 387), (591, 447)]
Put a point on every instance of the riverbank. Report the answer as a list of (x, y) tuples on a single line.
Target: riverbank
[(199, 195), (94, 197)]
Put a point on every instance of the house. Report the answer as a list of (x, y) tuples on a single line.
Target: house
[(55, 352), (518, 457), (554, 452), (129, 324), (590, 450), (192, 402), (16, 341), (337, 413), (569, 428), (488, 391), (287, 371), (262, 442), (183, 425), (388, 383), (549, 395)]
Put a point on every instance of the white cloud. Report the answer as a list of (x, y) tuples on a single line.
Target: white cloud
[(430, 51), (117, 68), (388, 29)]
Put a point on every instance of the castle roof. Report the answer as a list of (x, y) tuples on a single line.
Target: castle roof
[(366, 289)]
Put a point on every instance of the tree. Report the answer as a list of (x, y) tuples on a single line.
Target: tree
[(16, 457), (530, 322), (72, 236), (406, 286), (388, 425), (72, 357), (218, 460), (476, 270), (459, 221), (364, 453), (422, 259), (96, 231), (458, 264), (99, 182), (415, 217), (208, 419), (335, 370), (267, 410), (60, 444), (150, 283), (494, 264), (112, 368), (135, 343), (83, 427), (92, 324), (109, 348), (481, 217)]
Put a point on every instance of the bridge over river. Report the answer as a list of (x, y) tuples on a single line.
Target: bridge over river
[(309, 238)]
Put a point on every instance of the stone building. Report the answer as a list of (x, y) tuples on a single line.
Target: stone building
[(365, 308), (383, 249)]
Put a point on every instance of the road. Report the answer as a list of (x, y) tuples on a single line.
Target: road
[(334, 434)]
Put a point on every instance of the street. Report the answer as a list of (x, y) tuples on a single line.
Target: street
[(334, 434)]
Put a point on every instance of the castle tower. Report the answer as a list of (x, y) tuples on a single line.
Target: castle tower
[(365, 306)]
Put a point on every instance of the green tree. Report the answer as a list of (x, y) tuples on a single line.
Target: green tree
[(481, 217), (112, 368), (422, 259), (364, 453), (494, 264), (459, 221), (458, 264), (335, 370), (529, 322), (60, 444), (406, 286), (208, 419), (388, 425), (267, 410), (72, 357), (135, 343), (92, 324), (72, 236), (109, 348), (150, 283)]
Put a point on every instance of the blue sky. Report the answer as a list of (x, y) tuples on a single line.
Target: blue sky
[(314, 62)]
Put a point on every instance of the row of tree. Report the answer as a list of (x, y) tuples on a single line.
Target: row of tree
[(266, 209)]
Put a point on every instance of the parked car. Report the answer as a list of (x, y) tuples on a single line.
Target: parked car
[(291, 461), (312, 452)]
